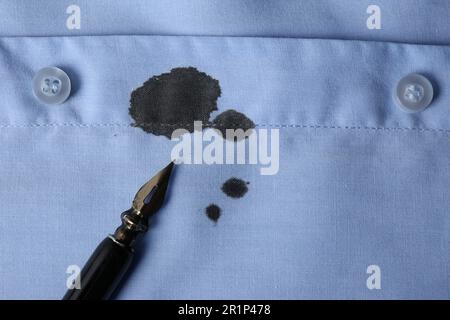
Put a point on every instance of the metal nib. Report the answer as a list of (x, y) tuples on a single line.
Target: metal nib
[(150, 196), (147, 201)]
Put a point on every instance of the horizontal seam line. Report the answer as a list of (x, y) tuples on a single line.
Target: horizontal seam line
[(95, 125), (230, 36)]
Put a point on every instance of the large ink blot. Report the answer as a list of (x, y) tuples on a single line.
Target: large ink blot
[(232, 119), (174, 100), (213, 212), (235, 188)]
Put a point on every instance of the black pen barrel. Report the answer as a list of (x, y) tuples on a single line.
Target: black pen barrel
[(102, 272)]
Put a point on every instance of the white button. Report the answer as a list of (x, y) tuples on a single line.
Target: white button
[(414, 93), (51, 85)]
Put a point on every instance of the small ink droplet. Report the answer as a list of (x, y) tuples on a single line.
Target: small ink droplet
[(213, 212), (234, 120), (235, 188)]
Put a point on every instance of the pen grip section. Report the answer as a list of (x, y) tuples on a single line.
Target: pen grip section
[(102, 272)]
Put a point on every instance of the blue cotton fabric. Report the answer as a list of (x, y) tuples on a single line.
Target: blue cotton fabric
[(360, 181)]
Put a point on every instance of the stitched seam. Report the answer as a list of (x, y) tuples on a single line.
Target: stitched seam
[(435, 43), (268, 125)]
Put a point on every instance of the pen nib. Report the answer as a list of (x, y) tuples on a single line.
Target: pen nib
[(150, 196)]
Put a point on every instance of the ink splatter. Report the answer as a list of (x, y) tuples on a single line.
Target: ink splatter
[(235, 188), (232, 119), (213, 212), (174, 100)]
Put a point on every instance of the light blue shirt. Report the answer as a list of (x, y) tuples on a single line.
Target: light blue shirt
[(360, 205)]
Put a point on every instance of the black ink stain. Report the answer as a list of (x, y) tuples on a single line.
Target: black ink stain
[(174, 100), (235, 188), (213, 212), (232, 119)]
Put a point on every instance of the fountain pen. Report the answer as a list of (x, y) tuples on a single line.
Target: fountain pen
[(107, 265)]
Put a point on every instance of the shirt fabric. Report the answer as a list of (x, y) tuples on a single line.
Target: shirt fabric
[(360, 182)]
